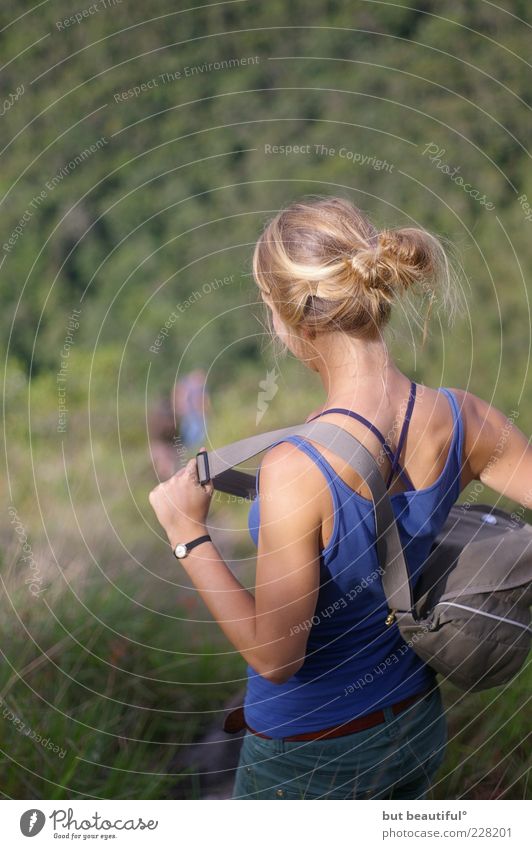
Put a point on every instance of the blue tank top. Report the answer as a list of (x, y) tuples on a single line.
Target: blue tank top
[(354, 663)]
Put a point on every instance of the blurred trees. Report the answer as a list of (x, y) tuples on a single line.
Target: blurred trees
[(180, 185)]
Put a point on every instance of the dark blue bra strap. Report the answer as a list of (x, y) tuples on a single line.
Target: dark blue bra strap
[(393, 458), (404, 429), (374, 430), (359, 418)]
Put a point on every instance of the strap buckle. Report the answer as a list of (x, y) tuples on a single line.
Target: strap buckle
[(202, 466), (390, 619)]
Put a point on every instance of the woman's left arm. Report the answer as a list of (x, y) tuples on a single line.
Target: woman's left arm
[(269, 630)]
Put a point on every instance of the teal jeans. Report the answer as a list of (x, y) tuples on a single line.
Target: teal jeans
[(397, 759)]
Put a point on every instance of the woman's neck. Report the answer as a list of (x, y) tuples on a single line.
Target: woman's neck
[(352, 369)]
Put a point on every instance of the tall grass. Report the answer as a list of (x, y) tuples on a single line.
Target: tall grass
[(116, 662), (120, 699)]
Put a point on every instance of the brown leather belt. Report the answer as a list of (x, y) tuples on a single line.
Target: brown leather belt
[(236, 721)]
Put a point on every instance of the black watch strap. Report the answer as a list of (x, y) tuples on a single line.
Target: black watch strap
[(183, 548), (198, 541)]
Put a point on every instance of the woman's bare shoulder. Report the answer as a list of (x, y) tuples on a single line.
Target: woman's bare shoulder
[(485, 427), (287, 472), (285, 460), (479, 412)]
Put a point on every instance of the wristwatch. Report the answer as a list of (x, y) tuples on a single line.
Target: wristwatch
[(182, 548)]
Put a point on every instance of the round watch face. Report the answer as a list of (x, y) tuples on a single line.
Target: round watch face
[(180, 550)]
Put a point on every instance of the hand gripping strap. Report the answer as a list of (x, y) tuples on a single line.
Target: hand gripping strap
[(218, 467)]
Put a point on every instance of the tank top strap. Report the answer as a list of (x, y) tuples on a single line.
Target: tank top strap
[(404, 429), (458, 434), (457, 418)]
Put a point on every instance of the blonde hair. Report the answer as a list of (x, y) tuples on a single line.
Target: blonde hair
[(324, 266)]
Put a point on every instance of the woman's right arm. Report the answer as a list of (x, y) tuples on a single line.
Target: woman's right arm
[(497, 452)]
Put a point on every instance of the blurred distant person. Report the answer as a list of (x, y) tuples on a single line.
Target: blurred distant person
[(162, 433), (191, 404)]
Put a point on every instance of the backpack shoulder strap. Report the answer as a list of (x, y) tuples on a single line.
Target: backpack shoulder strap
[(215, 465)]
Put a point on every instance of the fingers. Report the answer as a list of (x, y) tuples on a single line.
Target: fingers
[(191, 470)]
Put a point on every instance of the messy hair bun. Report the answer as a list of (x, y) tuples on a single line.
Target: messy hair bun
[(324, 266)]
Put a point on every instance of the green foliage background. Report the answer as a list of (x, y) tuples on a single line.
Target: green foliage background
[(172, 200)]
